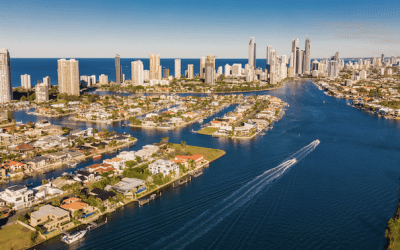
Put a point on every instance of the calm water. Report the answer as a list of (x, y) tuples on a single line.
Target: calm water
[(38, 68), (339, 197)]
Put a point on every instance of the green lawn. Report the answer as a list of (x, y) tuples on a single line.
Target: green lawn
[(210, 154), (15, 237), (208, 131)]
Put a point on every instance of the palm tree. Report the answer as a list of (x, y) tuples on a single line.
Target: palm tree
[(183, 144)]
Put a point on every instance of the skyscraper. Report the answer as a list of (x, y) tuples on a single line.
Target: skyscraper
[(68, 76), (252, 53), (307, 61), (227, 70), (26, 81), (165, 73), (137, 72), (211, 59), (155, 66), (42, 92), (269, 48), (209, 74), (299, 61), (118, 70), (209, 69), (178, 72), (103, 79), (190, 71), (295, 45), (47, 81), (202, 66), (6, 94)]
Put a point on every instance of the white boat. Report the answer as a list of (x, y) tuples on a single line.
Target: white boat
[(73, 164), (201, 121), (71, 238)]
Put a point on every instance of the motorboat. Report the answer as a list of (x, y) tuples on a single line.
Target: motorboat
[(71, 238)]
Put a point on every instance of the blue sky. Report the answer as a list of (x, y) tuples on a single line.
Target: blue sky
[(191, 29)]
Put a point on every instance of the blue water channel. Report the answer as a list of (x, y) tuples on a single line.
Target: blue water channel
[(339, 197)]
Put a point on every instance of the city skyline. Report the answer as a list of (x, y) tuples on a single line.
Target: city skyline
[(88, 30)]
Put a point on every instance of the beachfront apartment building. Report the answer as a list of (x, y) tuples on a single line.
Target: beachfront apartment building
[(163, 166), (18, 196)]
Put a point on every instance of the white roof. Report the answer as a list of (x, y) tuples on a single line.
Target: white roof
[(49, 209)]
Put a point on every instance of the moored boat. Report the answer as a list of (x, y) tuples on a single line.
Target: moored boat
[(71, 238)]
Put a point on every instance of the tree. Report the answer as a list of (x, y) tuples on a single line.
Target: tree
[(183, 144), (78, 214), (44, 181), (34, 236), (56, 202)]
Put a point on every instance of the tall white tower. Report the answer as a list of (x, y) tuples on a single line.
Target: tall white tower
[(137, 72), (252, 53), (6, 94)]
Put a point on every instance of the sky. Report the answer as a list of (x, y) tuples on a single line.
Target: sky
[(192, 29)]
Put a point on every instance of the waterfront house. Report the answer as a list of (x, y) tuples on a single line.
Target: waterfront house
[(117, 163), (50, 217), (128, 186), (59, 182), (102, 195), (100, 168), (85, 176), (46, 190), (18, 196), (42, 124), (13, 166), (127, 156), (74, 203), (37, 162), (163, 166), (183, 159)]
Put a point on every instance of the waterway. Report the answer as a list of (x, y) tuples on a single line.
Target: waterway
[(340, 196)]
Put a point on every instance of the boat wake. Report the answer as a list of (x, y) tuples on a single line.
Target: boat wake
[(211, 217)]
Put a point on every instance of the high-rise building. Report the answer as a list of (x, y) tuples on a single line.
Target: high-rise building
[(333, 71), (211, 60), (118, 70), (155, 72), (202, 66), (178, 71), (190, 71), (219, 71), (236, 69), (146, 75), (6, 94), (295, 45), (307, 61), (26, 81), (103, 79), (42, 92), (209, 70), (252, 53), (165, 73), (68, 76), (227, 70), (137, 72), (86, 81), (299, 61), (209, 73), (159, 73), (269, 48), (47, 81)]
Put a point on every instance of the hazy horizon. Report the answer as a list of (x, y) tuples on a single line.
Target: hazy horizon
[(176, 29)]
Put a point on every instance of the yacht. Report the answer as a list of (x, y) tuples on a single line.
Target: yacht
[(71, 238)]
